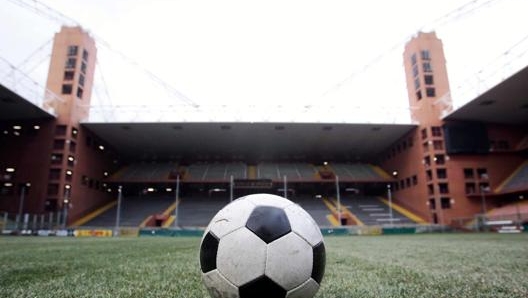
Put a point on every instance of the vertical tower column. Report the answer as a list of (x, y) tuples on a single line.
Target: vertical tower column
[(70, 75), (429, 100)]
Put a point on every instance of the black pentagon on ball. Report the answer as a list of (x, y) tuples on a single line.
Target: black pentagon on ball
[(319, 262), (268, 223), (208, 251), (262, 287)]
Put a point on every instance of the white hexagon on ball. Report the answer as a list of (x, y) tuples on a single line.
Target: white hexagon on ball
[(303, 224), (231, 217), (290, 261), (268, 200), (241, 256)]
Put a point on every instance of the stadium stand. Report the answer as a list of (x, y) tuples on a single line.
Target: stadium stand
[(216, 171), (140, 172), (523, 144), (134, 210), (315, 207), (197, 211), (268, 171), (517, 181), (293, 171), (358, 172), (197, 171), (371, 211)]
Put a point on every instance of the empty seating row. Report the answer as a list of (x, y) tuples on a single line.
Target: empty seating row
[(358, 171), (198, 211), (371, 211), (216, 171), (290, 170), (519, 180), (144, 172), (133, 211)]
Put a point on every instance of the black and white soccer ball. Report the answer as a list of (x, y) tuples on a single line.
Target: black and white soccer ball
[(262, 245)]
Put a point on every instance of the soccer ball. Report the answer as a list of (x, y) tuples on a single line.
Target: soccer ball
[(262, 245)]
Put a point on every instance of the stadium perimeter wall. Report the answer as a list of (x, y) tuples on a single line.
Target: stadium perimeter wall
[(167, 232), (198, 232)]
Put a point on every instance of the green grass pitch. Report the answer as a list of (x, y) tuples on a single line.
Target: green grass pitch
[(433, 265)]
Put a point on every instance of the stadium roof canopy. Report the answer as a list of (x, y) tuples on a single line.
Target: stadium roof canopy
[(249, 141), (15, 107), (505, 103)]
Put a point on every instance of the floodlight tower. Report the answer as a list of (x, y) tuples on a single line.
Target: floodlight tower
[(419, 157), (79, 160)]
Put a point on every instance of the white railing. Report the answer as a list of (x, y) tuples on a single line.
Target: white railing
[(495, 72), (251, 113), (25, 87)]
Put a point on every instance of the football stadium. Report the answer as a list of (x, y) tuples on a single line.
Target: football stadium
[(99, 203)]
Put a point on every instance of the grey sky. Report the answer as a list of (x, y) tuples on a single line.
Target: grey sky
[(237, 53)]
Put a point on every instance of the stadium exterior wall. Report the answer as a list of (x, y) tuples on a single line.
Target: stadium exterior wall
[(29, 162)]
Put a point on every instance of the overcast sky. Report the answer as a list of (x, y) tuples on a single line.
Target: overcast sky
[(243, 52)]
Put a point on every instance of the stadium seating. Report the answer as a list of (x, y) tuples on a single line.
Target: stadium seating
[(197, 211), (216, 171), (518, 181), (371, 211), (523, 144), (140, 172), (197, 171), (268, 171), (152, 172), (293, 171), (315, 207), (358, 172), (133, 211)]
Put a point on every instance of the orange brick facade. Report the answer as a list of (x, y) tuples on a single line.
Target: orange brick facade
[(432, 183)]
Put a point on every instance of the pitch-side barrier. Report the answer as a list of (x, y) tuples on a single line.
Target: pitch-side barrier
[(198, 232)]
